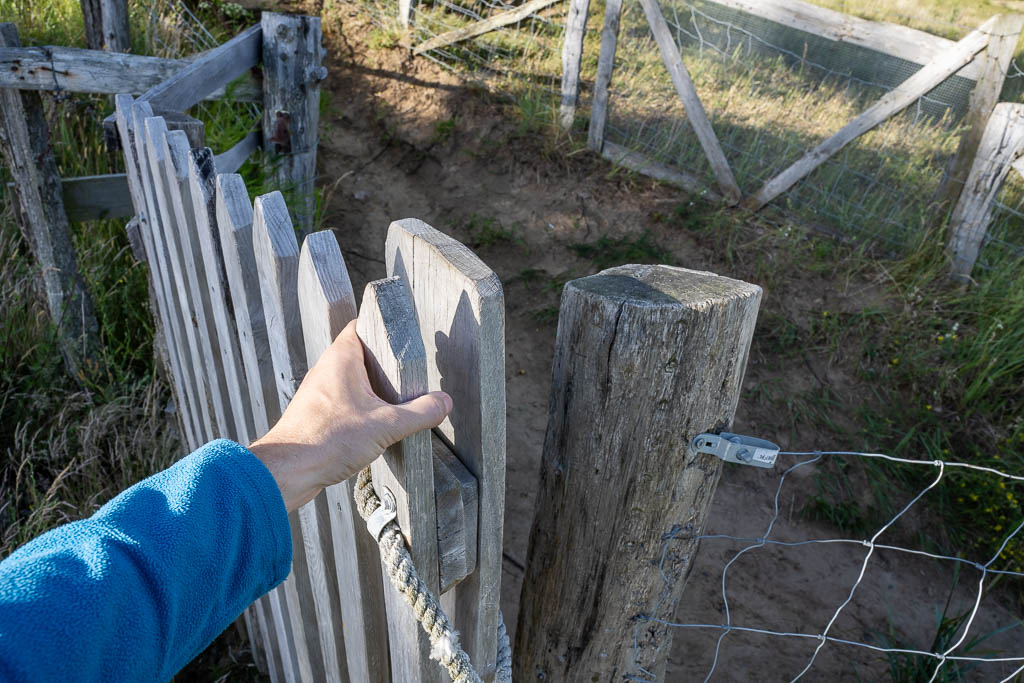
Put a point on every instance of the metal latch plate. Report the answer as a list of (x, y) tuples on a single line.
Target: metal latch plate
[(739, 449)]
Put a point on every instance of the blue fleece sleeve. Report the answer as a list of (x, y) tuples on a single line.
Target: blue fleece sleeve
[(137, 590)]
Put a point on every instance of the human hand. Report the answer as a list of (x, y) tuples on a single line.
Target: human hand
[(336, 425)]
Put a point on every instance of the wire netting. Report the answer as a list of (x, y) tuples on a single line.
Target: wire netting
[(881, 608), (524, 56)]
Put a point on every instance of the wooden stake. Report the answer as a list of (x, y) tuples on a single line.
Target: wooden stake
[(1003, 33), (572, 57), (605, 67), (999, 147), (106, 25), (647, 358), (893, 102), (25, 142), (291, 107), (695, 113)]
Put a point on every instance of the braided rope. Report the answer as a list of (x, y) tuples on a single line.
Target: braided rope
[(444, 640)]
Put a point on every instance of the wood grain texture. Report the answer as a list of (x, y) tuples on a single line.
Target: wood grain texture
[(106, 25), (635, 161), (132, 145), (496, 21), (646, 358), (1003, 35), (605, 68), (158, 216), (326, 304), (201, 176), (169, 162), (292, 72), (457, 500), (74, 69), (25, 144), (234, 224), (572, 56), (695, 113), (893, 102), (1000, 146), (277, 264), (461, 313), (232, 160), (397, 366)]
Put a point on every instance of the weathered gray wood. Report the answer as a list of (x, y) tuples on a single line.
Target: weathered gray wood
[(460, 309), (605, 67), (25, 143), (326, 305), (106, 25), (695, 113), (208, 73), (291, 107), (397, 366), (892, 39), (1001, 145), (647, 358), (200, 174), (405, 13), (264, 647), (497, 21), (170, 162), (169, 253), (635, 161), (457, 501), (232, 160), (95, 197), (75, 69), (572, 56), (893, 102), (277, 263), (133, 147), (234, 223), (1003, 35), (192, 127)]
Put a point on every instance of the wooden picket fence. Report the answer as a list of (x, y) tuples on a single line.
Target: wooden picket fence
[(245, 311)]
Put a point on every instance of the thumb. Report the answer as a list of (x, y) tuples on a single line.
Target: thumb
[(421, 413)]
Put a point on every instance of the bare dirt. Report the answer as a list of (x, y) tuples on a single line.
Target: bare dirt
[(402, 137)]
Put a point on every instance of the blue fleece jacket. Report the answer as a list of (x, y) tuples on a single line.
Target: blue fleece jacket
[(141, 587)]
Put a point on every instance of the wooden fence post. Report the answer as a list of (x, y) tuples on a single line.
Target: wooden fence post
[(1001, 144), (106, 25), (291, 107), (1003, 35), (572, 57), (25, 142), (647, 358), (605, 67)]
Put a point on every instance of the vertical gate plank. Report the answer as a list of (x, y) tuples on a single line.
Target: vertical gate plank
[(397, 365), (277, 263), (460, 308)]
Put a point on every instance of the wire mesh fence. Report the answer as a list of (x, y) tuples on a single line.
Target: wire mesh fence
[(869, 606), (524, 56)]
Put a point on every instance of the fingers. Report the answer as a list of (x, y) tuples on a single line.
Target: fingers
[(424, 412)]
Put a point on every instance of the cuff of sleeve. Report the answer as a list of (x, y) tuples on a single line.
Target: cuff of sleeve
[(267, 501)]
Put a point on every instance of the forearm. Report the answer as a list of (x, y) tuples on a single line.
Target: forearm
[(138, 589)]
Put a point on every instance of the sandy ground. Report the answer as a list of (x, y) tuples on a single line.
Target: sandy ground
[(382, 158)]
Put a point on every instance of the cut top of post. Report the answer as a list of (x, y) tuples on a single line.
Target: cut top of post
[(646, 285)]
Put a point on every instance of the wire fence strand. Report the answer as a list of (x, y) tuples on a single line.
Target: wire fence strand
[(942, 657)]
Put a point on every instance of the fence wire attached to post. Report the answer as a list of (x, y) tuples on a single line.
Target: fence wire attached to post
[(942, 657)]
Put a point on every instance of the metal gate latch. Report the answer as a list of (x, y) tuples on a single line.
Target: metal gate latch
[(383, 515), (742, 450)]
